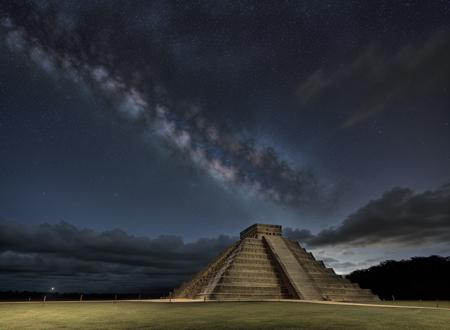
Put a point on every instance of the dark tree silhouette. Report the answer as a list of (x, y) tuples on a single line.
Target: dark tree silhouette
[(416, 278)]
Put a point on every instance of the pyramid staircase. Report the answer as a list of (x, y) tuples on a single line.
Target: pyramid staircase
[(264, 265)]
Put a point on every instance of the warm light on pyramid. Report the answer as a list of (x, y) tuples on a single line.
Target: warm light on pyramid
[(265, 265)]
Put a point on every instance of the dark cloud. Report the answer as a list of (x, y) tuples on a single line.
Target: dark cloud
[(400, 216), (343, 266), (339, 266), (376, 80), (302, 235), (76, 257), (329, 260)]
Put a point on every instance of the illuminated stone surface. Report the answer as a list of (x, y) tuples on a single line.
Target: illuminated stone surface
[(265, 265)]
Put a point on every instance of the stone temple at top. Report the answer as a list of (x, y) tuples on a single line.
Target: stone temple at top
[(265, 265)]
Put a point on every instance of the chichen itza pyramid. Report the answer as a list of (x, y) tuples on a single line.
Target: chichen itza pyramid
[(265, 265)]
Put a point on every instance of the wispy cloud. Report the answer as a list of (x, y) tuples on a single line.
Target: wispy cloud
[(376, 80)]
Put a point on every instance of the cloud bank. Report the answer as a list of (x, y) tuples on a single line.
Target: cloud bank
[(75, 259), (400, 217)]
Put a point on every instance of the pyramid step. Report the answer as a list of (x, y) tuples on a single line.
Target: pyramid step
[(332, 282), (251, 255), (319, 271), (337, 290), (253, 249), (254, 262), (251, 273), (255, 275), (252, 241), (315, 269), (304, 258), (251, 290), (255, 243), (251, 280), (247, 289), (252, 285), (301, 251), (255, 296), (251, 267)]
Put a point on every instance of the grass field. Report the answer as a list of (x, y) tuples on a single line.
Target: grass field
[(420, 303), (245, 315)]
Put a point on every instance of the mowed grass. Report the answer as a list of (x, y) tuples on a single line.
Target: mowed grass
[(419, 303), (235, 315)]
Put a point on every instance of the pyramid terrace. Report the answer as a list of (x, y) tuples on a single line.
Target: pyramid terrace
[(265, 265)]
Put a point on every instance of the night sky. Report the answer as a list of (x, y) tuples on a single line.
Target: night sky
[(137, 139)]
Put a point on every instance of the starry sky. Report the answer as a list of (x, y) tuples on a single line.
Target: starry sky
[(137, 139)]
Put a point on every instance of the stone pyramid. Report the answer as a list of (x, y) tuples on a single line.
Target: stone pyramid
[(265, 265)]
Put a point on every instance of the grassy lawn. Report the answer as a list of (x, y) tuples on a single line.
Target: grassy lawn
[(420, 303), (132, 315)]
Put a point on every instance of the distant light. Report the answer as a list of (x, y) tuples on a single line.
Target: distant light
[(53, 289)]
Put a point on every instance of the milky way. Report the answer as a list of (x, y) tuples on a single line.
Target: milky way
[(155, 117), (64, 50)]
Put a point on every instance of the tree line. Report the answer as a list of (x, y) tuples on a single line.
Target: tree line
[(426, 278)]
